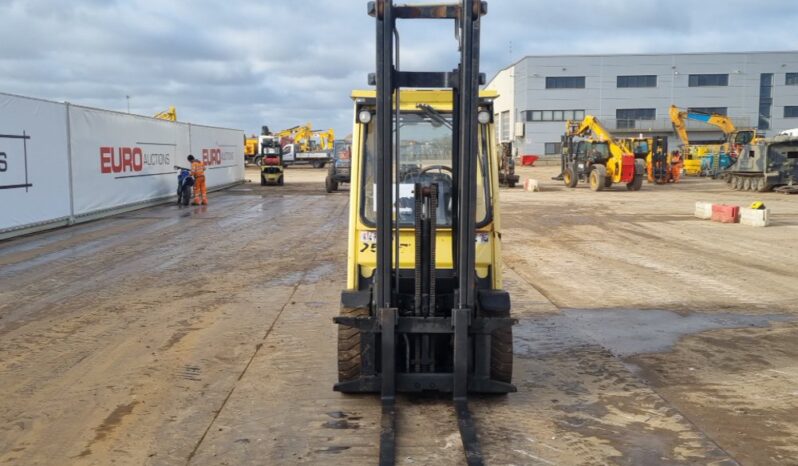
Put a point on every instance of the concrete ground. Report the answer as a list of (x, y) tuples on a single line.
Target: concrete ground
[(204, 335)]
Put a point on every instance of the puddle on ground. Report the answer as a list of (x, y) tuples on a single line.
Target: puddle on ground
[(624, 332), (318, 272)]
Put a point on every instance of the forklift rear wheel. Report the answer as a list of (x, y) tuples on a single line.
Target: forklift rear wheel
[(349, 351), (598, 177), (330, 184), (280, 181), (569, 178), (262, 180)]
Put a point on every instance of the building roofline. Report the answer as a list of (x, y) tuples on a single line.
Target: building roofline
[(657, 54)]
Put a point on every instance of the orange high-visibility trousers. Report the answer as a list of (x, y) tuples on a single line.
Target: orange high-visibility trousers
[(200, 190)]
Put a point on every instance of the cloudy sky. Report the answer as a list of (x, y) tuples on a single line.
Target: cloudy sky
[(246, 63)]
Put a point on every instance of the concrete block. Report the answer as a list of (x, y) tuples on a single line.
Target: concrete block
[(703, 210), (725, 213), (755, 217), (531, 185)]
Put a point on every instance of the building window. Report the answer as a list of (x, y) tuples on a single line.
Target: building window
[(505, 126), (646, 80), (554, 115), (565, 82), (765, 100), (791, 79), (626, 117), (791, 111), (552, 148), (700, 80), (716, 110)]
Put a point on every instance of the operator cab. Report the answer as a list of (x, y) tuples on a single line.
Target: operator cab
[(425, 158), (743, 137), (593, 151)]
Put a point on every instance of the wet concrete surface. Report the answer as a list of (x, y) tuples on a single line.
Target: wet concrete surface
[(625, 332), (204, 336)]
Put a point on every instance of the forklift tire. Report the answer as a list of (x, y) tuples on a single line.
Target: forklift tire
[(569, 178), (501, 355), (330, 184), (640, 173), (636, 183), (280, 181), (598, 177), (511, 184), (262, 180), (349, 351)]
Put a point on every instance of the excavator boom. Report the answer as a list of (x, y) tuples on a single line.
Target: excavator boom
[(169, 115)]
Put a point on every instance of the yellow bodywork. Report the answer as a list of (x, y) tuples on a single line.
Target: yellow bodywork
[(299, 135), (362, 243), (631, 144), (592, 129), (251, 148), (326, 139), (169, 115), (679, 119)]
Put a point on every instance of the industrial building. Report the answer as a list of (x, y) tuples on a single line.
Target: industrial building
[(631, 94)]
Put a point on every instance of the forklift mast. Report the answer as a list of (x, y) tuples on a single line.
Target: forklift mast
[(422, 319), (464, 81)]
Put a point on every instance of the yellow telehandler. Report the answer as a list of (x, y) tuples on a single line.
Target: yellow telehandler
[(590, 153)]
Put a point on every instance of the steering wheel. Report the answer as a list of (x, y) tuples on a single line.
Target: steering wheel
[(436, 167)]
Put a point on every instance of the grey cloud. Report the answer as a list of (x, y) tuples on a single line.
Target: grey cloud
[(247, 63)]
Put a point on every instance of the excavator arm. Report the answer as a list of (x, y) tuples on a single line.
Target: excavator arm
[(296, 135), (169, 115), (326, 139), (722, 122), (678, 119)]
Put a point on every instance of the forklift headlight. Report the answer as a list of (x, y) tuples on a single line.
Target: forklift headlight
[(364, 117), (483, 117)]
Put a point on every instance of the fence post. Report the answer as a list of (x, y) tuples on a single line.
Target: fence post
[(71, 219)]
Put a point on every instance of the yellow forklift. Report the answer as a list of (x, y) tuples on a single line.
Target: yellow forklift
[(654, 151), (424, 309), (271, 169)]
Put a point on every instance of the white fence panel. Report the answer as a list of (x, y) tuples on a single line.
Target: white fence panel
[(120, 159), (222, 150), (34, 166)]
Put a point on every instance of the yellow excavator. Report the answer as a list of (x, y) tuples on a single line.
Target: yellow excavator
[(299, 135), (735, 139), (168, 115), (326, 139), (591, 153)]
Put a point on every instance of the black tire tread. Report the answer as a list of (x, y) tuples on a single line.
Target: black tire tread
[(349, 352)]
